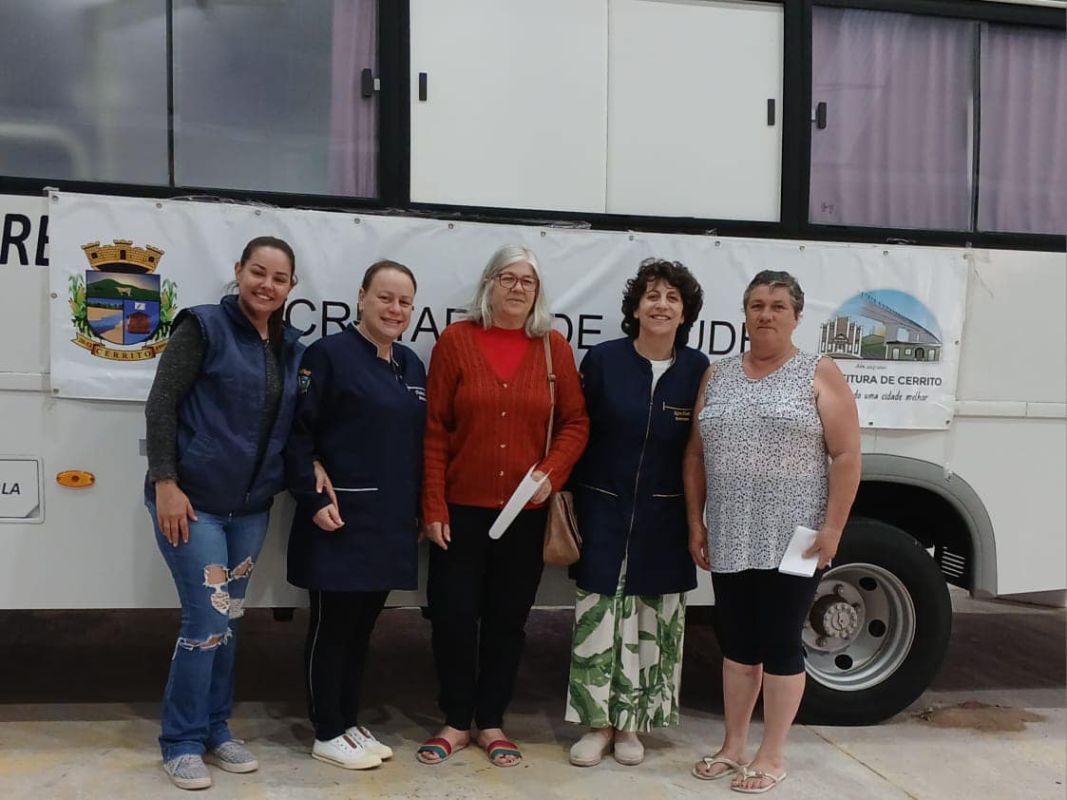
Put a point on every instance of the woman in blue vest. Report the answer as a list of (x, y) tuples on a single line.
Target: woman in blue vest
[(626, 658), (358, 435), (218, 416)]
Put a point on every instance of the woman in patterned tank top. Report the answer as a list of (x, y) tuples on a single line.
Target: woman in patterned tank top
[(777, 446)]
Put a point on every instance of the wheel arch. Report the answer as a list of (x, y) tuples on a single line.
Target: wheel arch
[(940, 509)]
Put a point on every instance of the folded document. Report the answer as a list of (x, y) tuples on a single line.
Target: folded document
[(794, 561), (522, 495)]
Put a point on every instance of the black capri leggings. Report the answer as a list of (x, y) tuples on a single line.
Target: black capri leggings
[(759, 616)]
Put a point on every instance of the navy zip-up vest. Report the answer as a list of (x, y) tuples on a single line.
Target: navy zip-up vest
[(218, 421)]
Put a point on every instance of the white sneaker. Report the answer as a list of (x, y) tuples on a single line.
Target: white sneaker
[(344, 751), (188, 772), (370, 742)]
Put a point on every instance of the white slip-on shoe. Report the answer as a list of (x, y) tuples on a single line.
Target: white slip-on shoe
[(232, 756), (589, 750), (344, 751), (188, 772), (370, 742), (628, 748)]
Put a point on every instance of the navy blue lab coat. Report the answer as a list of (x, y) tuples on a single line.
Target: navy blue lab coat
[(218, 420), (628, 485), (363, 418)]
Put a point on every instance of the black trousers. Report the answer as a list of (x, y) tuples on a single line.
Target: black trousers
[(480, 592), (759, 617), (339, 630)]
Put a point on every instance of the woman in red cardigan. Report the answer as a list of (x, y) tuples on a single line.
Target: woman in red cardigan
[(487, 418)]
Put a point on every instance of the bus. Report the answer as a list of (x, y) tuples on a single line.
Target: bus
[(752, 134)]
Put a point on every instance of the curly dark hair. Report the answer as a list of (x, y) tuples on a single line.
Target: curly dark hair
[(676, 274)]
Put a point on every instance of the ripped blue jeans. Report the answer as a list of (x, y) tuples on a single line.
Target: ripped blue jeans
[(211, 573)]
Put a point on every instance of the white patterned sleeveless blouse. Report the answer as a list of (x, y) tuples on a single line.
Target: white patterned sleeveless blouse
[(765, 460)]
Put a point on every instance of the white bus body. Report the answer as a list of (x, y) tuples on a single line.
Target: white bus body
[(984, 496)]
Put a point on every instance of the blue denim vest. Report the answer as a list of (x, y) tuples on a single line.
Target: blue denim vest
[(218, 421)]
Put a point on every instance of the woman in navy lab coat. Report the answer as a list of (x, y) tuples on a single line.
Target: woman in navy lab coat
[(354, 461), (626, 658)]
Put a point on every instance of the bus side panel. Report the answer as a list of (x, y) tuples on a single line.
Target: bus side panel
[(1018, 467), (96, 547), (1015, 328), (1009, 437)]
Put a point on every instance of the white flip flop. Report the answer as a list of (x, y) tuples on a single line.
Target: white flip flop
[(710, 761), (758, 773)]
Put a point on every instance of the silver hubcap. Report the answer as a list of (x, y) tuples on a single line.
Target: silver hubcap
[(860, 628)]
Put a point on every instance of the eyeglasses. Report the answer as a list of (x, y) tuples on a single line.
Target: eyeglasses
[(507, 280)]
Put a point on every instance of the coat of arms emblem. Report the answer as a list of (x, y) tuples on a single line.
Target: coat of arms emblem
[(121, 310)]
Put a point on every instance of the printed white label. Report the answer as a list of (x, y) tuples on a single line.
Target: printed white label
[(20, 488)]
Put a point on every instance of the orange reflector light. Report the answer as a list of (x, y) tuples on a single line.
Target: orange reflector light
[(75, 478)]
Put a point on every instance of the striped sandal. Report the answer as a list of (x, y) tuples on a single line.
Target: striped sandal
[(500, 748), (436, 746)]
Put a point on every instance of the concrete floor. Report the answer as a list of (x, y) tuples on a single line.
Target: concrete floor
[(79, 716)]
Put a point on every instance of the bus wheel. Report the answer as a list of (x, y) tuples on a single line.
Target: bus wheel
[(878, 629)]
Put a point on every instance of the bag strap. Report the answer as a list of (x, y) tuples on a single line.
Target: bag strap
[(551, 392)]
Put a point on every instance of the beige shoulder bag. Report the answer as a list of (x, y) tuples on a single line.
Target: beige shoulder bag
[(563, 542)]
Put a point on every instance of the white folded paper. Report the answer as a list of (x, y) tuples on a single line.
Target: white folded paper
[(794, 562), (522, 495)]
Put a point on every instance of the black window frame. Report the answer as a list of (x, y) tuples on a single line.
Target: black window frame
[(394, 145), (393, 152), (968, 10)]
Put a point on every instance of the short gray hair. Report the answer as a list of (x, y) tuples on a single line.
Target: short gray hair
[(539, 320), (777, 279)]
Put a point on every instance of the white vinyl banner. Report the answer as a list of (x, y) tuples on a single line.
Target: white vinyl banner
[(891, 316)]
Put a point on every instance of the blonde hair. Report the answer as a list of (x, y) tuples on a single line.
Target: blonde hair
[(539, 320)]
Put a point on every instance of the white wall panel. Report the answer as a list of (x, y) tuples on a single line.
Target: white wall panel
[(24, 300), (1015, 328), (96, 546), (1017, 467), (516, 107), (687, 110)]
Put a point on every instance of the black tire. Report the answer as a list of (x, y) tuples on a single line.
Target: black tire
[(886, 549)]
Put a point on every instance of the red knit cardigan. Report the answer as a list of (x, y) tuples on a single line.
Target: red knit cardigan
[(483, 433)]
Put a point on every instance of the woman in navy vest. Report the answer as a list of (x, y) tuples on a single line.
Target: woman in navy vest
[(635, 567), (354, 460), (217, 417)]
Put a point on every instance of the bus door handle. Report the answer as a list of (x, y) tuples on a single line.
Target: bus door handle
[(422, 86), (820, 115)]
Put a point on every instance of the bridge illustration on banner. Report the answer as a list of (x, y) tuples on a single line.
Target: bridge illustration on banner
[(881, 325)]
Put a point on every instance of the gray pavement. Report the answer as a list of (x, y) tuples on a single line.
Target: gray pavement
[(79, 715)]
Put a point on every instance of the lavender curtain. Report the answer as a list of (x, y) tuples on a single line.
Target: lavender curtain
[(1022, 175), (353, 118), (896, 151)]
